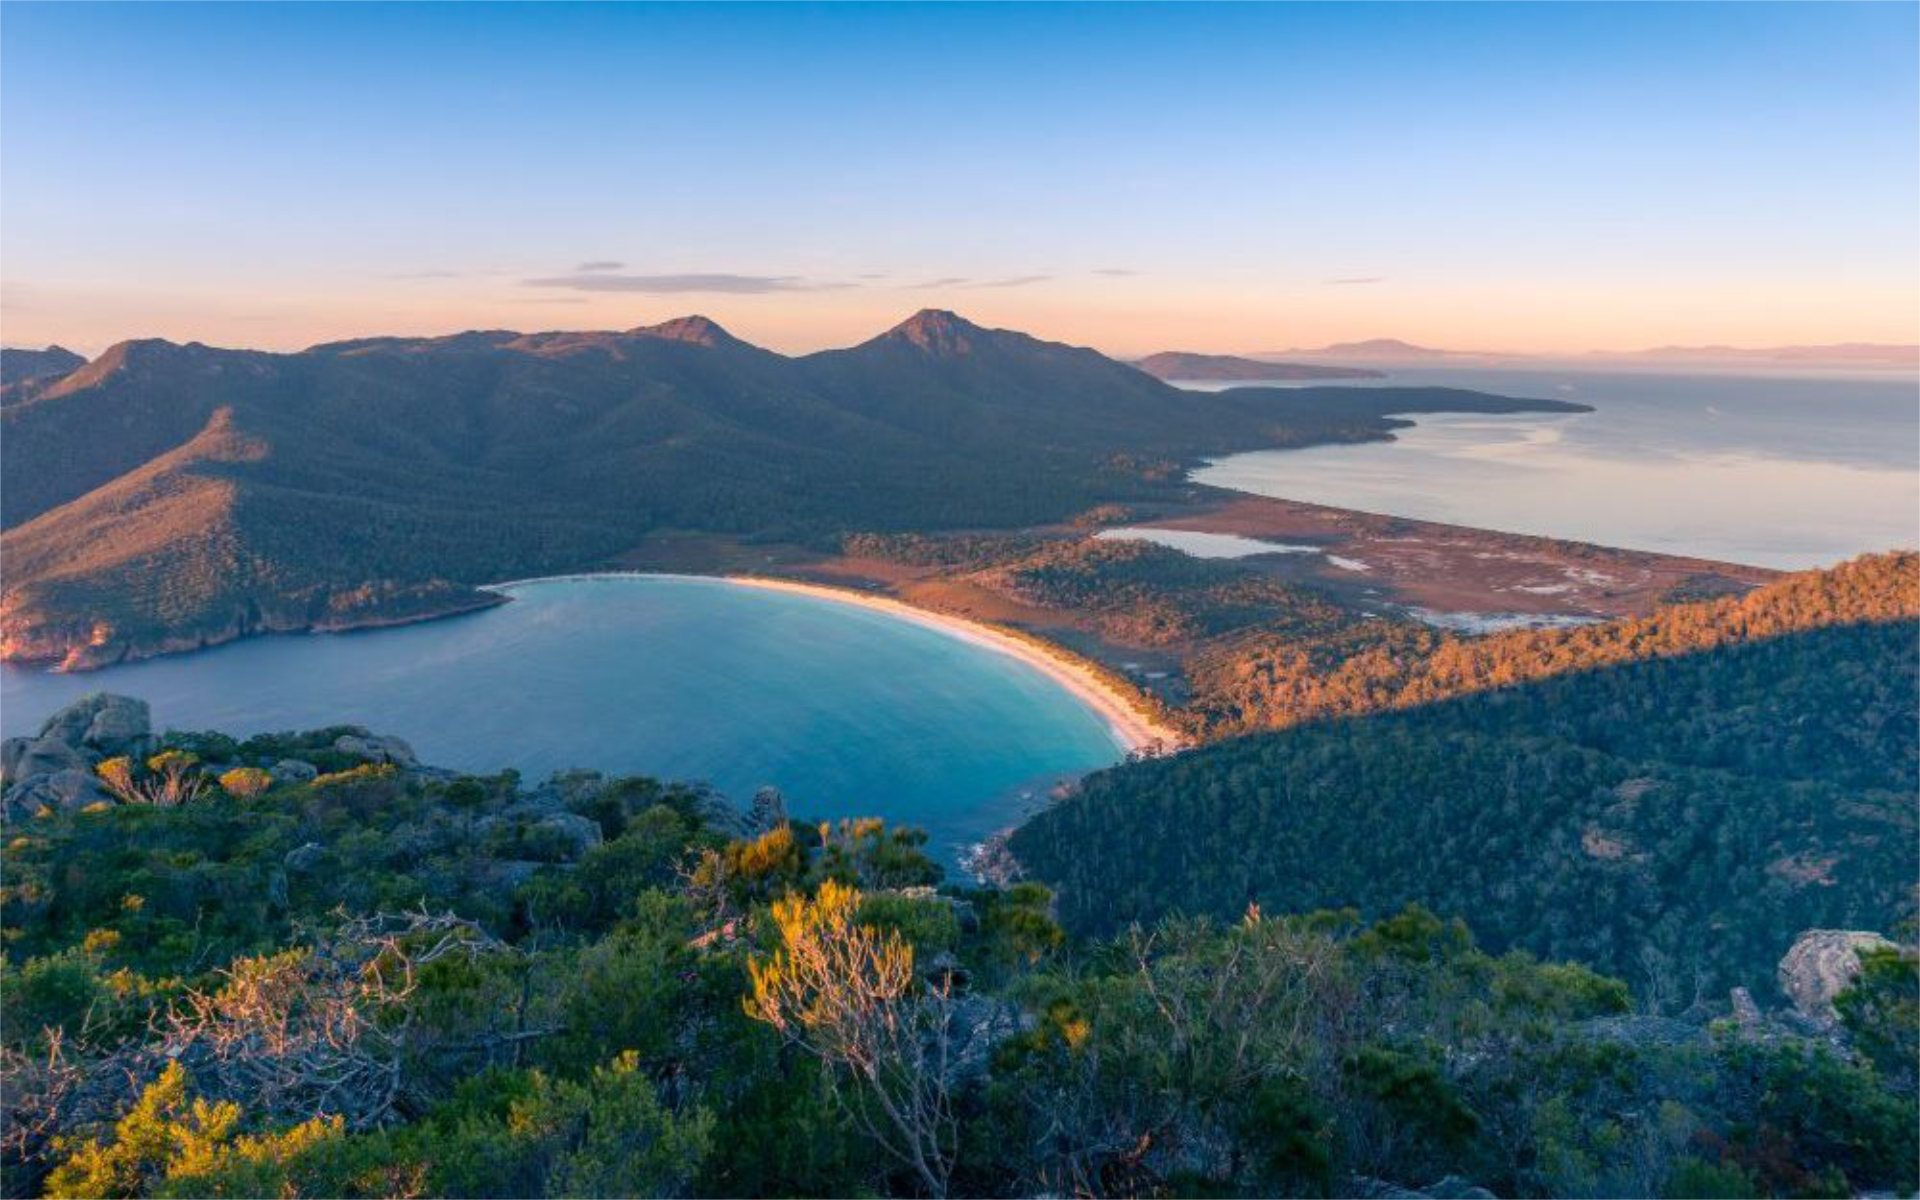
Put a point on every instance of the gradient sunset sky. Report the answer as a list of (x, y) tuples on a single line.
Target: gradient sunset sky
[(1550, 177)]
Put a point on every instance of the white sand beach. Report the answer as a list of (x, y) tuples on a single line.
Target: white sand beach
[(1134, 728)]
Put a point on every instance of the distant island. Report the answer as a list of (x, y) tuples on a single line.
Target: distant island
[(1374, 349), (1177, 365), (1394, 350)]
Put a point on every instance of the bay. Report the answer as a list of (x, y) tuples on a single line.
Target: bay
[(848, 711), (1788, 471)]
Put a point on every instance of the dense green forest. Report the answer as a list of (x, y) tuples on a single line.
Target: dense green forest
[(275, 968), (1676, 821), (163, 496)]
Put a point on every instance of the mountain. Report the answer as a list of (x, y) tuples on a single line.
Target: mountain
[(1672, 799), (1178, 365), (1381, 349), (169, 496), (19, 363), (22, 368)]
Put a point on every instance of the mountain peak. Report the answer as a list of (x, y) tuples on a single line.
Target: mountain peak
[(937, 331), (1384, 346), (700, 331), (19, 364)]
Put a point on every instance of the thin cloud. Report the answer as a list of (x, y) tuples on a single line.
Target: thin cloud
[(943, 282), (438, 274), (1015, 281), (1354, 280), (1113, 271), (675, 285), (598, 264)]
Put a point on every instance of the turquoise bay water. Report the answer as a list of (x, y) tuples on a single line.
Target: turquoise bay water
[(846, 710), (1780, 471)]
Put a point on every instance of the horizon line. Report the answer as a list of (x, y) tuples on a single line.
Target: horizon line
[(1672, 347)]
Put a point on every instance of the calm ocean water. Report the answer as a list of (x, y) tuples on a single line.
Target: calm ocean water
[(1780, 471), (848, 711)]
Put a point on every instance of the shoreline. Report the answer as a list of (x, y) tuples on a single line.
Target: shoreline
[(1134, 730)]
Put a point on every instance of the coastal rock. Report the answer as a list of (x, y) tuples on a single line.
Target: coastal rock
[(292, 770), (717, 814), (1820, 965), (56, 769), (11, 752), (59, 791), (768, 811), (376, 748), (44, 756), (103, 722), (992, 862), (120, 725), (563, 790)]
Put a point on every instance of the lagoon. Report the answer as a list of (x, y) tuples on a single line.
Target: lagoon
[(848, 711)]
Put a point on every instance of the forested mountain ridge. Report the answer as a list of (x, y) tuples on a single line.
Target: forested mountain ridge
[(1675, 806), (380, 479), (23, 369), (304, 965)]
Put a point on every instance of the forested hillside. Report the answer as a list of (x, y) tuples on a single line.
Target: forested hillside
[(166, 496), (1273, 676), (305, 966), (1676, 820)]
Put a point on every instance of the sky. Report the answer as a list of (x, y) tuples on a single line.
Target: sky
[(1528, 178)]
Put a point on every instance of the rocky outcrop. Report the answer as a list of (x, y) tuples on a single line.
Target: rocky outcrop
[(375, 748), (58, 792), (719, 815), (580, 833), (120, 725), (292, 770), (27, 759), (1820, 965), (768, 811), (54, 770), (304, 858), (563, 792)]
